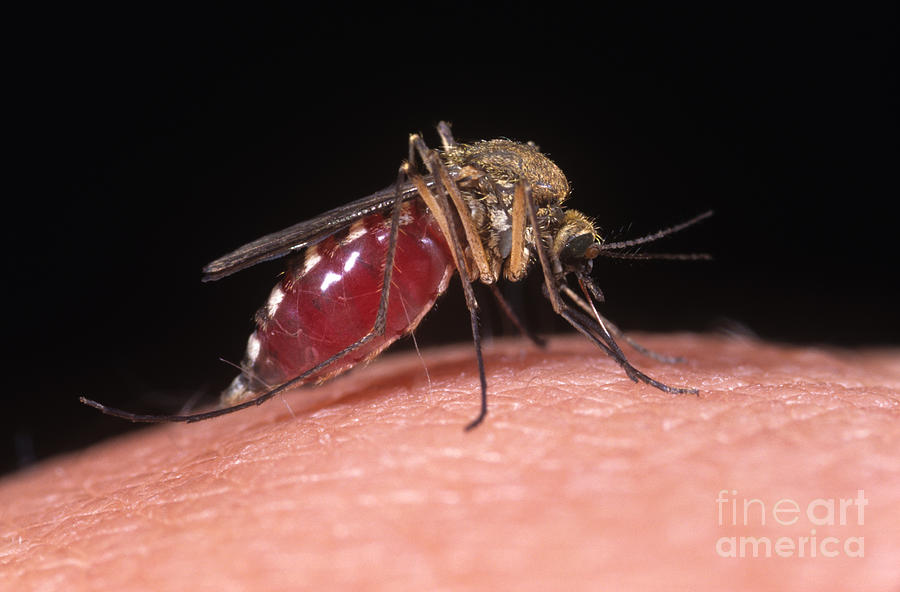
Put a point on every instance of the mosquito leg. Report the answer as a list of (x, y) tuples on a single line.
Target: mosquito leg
[(517, 264), (377, 329), (595, 332), (584, 324), (595, 323), (618, 333), (519, 255), (446, 135), (439, 206), (510, 313), (550, 265), (643, 349), (552, 269)]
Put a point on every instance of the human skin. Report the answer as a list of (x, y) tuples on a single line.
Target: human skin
[(578, 479)]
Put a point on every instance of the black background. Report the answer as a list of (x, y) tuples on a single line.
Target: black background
[(147, 143)]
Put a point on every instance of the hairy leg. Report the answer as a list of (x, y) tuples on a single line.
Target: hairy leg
[(578, 478)]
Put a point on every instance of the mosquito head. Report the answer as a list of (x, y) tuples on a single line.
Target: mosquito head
[(576, 243)]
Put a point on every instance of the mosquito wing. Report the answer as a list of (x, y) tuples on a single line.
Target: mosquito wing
[(300, 235)]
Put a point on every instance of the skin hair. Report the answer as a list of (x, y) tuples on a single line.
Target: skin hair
[(578, 479)]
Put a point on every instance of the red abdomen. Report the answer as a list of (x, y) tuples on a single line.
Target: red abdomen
[(329, 298)]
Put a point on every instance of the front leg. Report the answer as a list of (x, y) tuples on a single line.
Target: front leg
[(591, 326)]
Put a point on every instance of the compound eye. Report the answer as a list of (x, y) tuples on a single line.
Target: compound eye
[(580, 248)]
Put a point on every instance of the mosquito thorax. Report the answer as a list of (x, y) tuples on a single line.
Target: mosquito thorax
[(488, 173), (506, 162)]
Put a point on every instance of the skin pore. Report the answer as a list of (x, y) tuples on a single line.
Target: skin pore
[(577, 479)]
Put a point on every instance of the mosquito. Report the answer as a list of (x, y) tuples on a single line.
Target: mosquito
[(363, 275)]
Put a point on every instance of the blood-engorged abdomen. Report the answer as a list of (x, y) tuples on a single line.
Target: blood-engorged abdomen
[(329, 297)]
